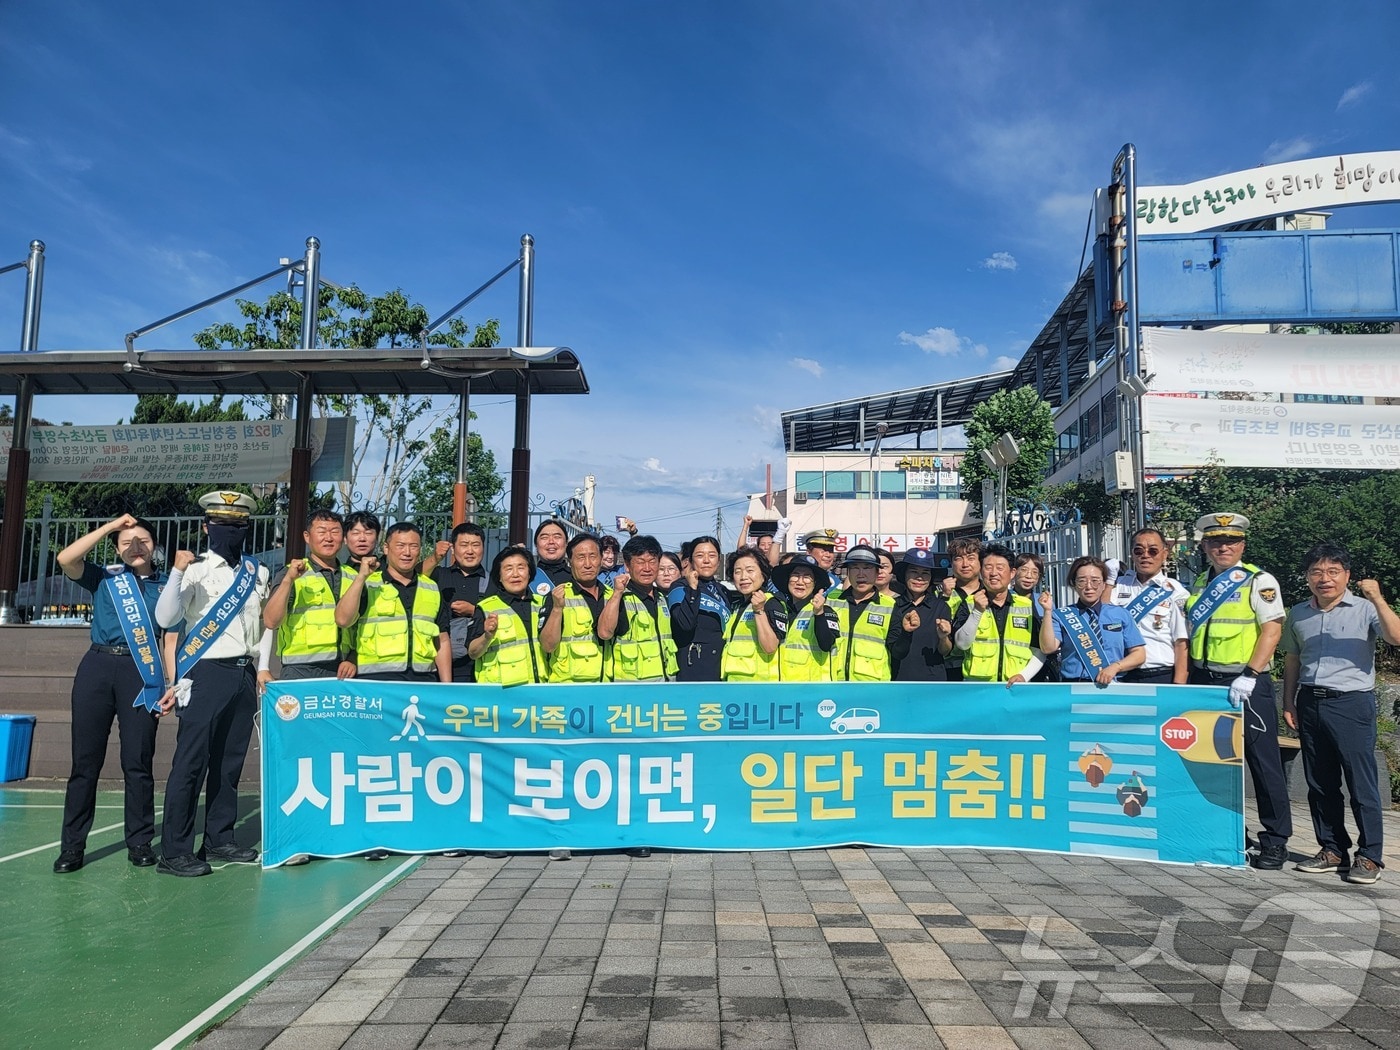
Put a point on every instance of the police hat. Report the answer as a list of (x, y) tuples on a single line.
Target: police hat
[(914, 558), (820, 538), (783, 573), (224, 505), (861, 554), (1228, 525)]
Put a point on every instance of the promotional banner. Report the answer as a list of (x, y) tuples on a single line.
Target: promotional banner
[(1180, 360), (1193, 432), (1274, 189), (1131, 771), (255, 451)]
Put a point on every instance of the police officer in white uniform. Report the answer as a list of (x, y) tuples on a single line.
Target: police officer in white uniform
[(217, 696), (1162, 623)]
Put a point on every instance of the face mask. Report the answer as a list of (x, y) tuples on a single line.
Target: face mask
[(227, 540)]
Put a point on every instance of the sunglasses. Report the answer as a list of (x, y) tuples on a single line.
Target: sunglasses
[(1149, 551)]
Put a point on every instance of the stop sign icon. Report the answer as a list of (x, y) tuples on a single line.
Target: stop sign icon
[(1178, 733)]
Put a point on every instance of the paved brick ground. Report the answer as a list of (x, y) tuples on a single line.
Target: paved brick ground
[(844, 949)]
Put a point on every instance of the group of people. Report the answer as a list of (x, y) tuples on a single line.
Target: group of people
[(586, 609)]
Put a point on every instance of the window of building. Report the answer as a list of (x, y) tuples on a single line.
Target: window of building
[(1328, 399), (1089, 427), (1108, 414), (809, 484)]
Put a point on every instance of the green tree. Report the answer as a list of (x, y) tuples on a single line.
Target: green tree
[(431, 485), (1028, 418), (392, 431)]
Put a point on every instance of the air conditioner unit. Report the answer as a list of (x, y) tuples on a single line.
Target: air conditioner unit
[(799, 497)]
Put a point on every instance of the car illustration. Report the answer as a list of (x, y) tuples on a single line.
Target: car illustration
[(1219, 738), (866, 719)]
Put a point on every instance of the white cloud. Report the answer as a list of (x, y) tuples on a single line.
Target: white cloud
[(1354, 94), (652, 465), (999, 261), (1002, 363), (808, 365), (1291, 149), (942, 341)]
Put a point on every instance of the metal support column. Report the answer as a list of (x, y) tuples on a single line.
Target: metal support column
[(460, 491), (17, 478), (300, 483), (1124, 307), (520, 454)]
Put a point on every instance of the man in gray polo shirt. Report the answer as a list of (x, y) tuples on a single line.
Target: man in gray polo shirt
[(1329, 678)]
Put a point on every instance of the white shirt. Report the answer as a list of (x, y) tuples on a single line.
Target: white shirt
[(1163, 624), (200, 589)]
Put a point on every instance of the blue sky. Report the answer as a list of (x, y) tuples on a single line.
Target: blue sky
[(738, 208)]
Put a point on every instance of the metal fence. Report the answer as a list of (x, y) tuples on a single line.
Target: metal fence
[(46, 595)]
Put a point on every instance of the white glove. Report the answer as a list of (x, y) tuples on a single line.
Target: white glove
[(182, 692), (783, 525), (1241, 689)]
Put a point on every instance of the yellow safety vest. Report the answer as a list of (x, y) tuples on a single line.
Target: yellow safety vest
[(647, 653), (387, 631), (860, 654), (956, 601), (1232, 630), (514, 655), (800, 659), (996, 658), (308, 634), (579, 656), (743, 658)]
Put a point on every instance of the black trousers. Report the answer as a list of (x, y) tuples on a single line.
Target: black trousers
[(1261, 754), (103, 689), (1339, 739), (215, 730), (1148, 675)]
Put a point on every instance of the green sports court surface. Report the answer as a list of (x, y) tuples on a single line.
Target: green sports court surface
[(113, 956)]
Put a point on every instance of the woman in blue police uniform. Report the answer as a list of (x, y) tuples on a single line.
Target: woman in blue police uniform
[(699, 607), (116, 672), (1103, 640)]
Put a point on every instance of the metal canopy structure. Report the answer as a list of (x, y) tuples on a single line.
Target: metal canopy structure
[(852, 423), (396, 370), (1055, 363)]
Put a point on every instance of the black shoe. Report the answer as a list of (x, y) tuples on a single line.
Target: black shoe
[(496, 854), (1271, 858), (187, 866), (641, 852), (68, 860), (377, 854), (141, 856), (230, 854)]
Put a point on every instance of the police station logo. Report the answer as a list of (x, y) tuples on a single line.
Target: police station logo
[(287, 707), (542, 589), (1237, 575)]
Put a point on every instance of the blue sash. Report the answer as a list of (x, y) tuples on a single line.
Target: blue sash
[(1085, 641), (710, 602), (1148, 597), (1220, 591), (124, 588), (541, 584), (203, 634)]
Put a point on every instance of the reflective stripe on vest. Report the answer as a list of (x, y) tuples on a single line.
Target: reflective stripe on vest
[(579, 656), (743, 658), (308, 634), (647, 653), (861, 655), (513, 655), (385, 629), (993, 657), (800, 658), (1232, 629)]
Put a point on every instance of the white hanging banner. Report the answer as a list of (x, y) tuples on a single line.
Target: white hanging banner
[(1194, 432), (217, 453), (1275, 189), (1178, 360)]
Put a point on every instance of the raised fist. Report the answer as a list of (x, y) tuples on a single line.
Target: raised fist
[(296, 567), (184, 559), (441, 548), (368, 564), (911, 621), (489, 625), (126, 521), (1047, 601), (980, 600)]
